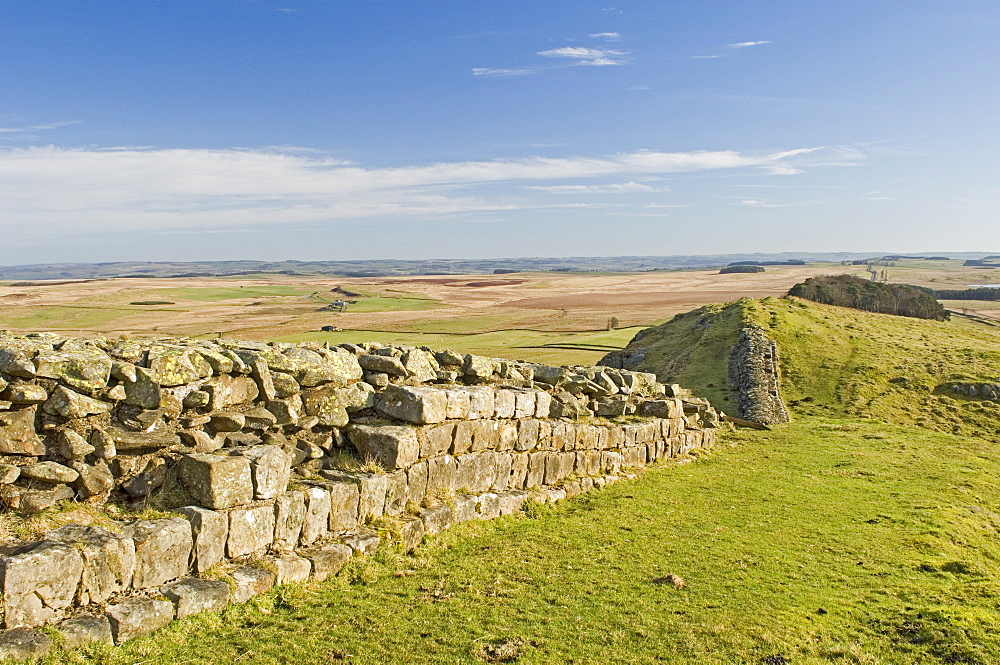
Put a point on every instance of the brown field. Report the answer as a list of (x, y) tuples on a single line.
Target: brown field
[(550, 316)]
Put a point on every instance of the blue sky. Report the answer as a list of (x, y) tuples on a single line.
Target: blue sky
[(350, 129)]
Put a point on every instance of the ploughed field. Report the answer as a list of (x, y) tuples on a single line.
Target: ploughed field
[(550, 317)]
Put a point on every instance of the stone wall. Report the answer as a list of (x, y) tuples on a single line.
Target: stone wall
[(753, 376), (287, 455)]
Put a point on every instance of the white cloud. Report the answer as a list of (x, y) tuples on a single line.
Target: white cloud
[(50, 190), (703, 57), (639, 87), (500, 71), (586, 56), (35, 128), (611, 188), (609, 36), (746, 44)]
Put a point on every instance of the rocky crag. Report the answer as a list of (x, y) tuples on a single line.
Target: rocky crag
[(286, 456)]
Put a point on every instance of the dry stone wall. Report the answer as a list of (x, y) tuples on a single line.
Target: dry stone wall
[(753, 377), (286, 454)]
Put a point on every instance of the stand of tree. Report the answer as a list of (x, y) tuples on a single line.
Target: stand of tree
[(968, 294), (741, 268), (849, 291)]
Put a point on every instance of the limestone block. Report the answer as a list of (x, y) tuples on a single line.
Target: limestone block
[(411, 533), (291, 569), (420, 365), (441, 474), (40, 583), (108, 560), (143, 389), (543, 402), (162, 550), (536, 470), (24, 644), (9, 473), (327, 559), (463, 508), (553, 494), (69, 404), (488, 506), (344, 502), (284, 385), (524, 404), (330, 403), (219, 362), (270, 468), (478, 367), (416, 483), (286, 411), (485, 435), (572, 489), (192, 596), (392, 447), (373, 487), (458, 401), (465, 473), (251, 530), (333, 368), (136, 617), (84, 629), (176, 365), (317, 518), (586, 484), (25, 393), (505, 403), (482, 402), (250, 581), (485, 472), (414, 404), (527, 435), (395, 493), (435, 439), (464, 433), (506, 436), (73, 446), (17, 362), (50, 472), (382, 364), (503, 462), (518, 470), (209, 530), (436, 519), (289, 514), (511, 502), (361, 541), (85, 369), (217, 481)]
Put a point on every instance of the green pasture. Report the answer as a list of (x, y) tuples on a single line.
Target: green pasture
[(393, 304), (62, 317), (829, 541), (220, 293)]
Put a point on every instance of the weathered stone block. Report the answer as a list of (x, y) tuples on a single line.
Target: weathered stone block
[(435, 439), (411, 533), (317, 518), (108, 560), (506, 436), (488, 506), (217, 481), (464, 433), (395, 493), (226, 391), (50, 472), (291, 569), (344, 503), (503, 462), (457, 403), (17, 433), (192, 596), (481, 402), (250, 581), (209, 530), (270, 469), (162, 550), (71, 404), (414, 404), (329, 404), (463, 507), (536, 470), (416, 483), (73, 446), (137, 617), (24, 644), (392, 447), (543, 402), (251, 530), (485, 435), (85, 629), (524, 404), (25, 393), (436, 519), (511, 502), (527, 435), (40, 583), (505, 403), (518, 470), (327, 559), (361, 541), (286, 411), (289, 514)]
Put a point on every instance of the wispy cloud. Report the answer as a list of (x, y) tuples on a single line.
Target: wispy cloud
[(703, 57), (500, 71), (747, 44), (639, 87), (37, 128), (66, 191), (587, 56), (611, 188), (609, 36)]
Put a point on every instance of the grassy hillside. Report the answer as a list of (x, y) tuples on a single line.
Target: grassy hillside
[(836, 360)]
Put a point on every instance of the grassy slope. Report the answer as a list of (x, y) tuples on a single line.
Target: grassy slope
[(829, 541)]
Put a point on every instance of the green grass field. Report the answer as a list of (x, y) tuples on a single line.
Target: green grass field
[(67, 317), (217, 294), (826, 541)]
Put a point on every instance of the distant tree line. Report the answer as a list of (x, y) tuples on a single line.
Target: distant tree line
[(968, 294), (741, 268), (790, 262), (869, 296), (988, 262)]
